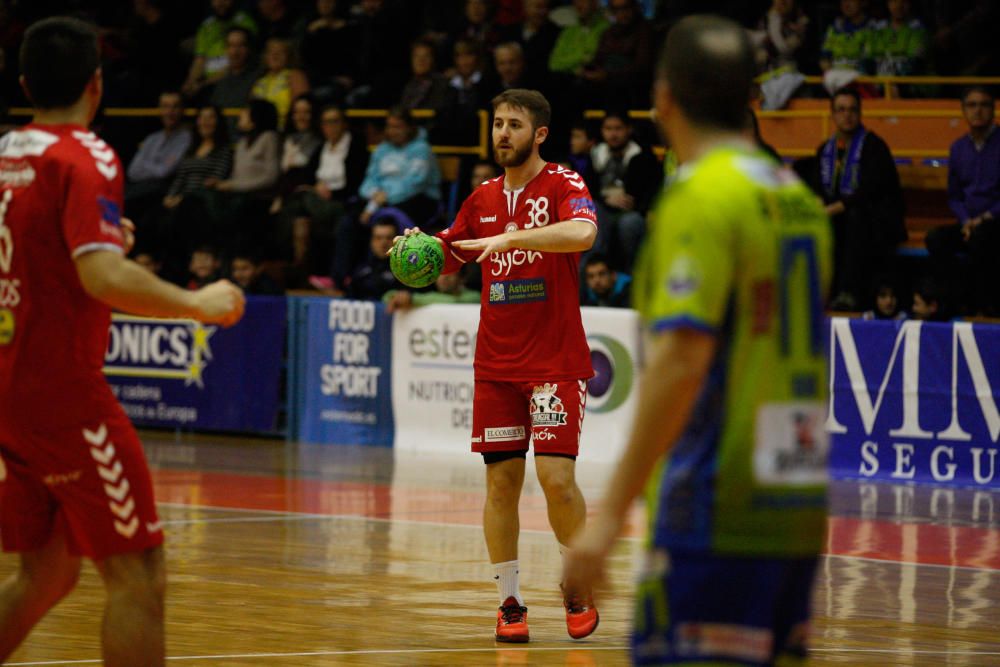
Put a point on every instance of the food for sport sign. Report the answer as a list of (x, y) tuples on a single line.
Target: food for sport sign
[(432, 378)]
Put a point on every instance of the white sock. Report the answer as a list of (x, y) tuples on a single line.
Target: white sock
[(505, 574)]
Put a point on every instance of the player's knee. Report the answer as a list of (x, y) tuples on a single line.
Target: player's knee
[(558, 486), (55, 580), (503, 489), (140, 576)]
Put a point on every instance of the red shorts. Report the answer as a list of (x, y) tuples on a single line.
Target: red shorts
[(89, 476), (506, 414)]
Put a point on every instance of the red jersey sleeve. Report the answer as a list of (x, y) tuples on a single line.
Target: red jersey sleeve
[(460, 230), (575, 202), (92, 208)]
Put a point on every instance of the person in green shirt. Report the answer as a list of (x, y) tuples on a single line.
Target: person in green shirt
[(733, 398), (577, 44), (449, 288)]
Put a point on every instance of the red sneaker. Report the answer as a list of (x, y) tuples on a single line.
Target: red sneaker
[(512, 622), (581, 614)]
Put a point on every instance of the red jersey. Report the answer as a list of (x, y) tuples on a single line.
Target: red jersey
[(61, 193), (530, 327)]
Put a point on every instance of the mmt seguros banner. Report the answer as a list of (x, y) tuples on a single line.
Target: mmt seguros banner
[(914, 401)]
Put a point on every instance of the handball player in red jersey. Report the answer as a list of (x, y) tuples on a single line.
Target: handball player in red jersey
[(527, 228), (73, 478)]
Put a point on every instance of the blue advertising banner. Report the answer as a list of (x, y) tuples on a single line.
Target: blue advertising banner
[(915, 401), (184, 374), (342, 375)]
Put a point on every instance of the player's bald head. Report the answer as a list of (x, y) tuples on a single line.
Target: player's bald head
[(708, 64)]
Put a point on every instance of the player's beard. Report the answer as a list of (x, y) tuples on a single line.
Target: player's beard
[(514, 156)]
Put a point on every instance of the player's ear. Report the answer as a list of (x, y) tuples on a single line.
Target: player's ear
[(541, 134)]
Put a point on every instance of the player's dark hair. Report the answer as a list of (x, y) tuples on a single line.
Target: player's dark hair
[(708, 62), (849, 92), (531, 101), (59, 55)]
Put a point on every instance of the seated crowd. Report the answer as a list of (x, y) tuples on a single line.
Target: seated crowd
[(274, 182)]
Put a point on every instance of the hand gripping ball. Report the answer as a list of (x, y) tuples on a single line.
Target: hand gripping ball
[(417, 260)]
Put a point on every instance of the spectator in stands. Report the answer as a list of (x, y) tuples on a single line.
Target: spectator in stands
[(279, 84), (469, 82), (427, 88), (154, 164), (329, 48), (577, 44), (482, 171), (779, 36), (180, 220), (211, 58), (603, 286), (508, 58), (846, 46), (245, 271), (899, 45), (477, 25), (256, 162), (203, 269), (537, 37), (887, 306), (582, 141), (448, 288), (402, 172), (778, 40), (274, 20), (373, 278), (859, 183), (629, 178), (974, 197), (239, 209), (301, 144), (930, 301), (233, 90), (310, 215), (622, 66)]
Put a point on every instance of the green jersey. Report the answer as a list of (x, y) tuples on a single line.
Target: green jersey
[(739, 247)]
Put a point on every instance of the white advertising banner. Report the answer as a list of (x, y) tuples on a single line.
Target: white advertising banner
[(432, 381)]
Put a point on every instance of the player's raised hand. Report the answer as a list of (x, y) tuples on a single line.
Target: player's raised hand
[(487, 245), (409, 231), (221, 302)]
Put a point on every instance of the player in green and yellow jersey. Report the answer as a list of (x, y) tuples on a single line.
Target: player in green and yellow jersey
[(730, 285)]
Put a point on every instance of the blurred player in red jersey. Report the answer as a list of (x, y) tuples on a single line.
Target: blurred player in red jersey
[(527, 228), (73, 479)]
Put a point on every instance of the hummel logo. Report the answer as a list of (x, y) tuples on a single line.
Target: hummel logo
[(487, 218)]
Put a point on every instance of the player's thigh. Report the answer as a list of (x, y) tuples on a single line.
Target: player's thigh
[(28, 510), (705, 609), (556, 410), (103, 485), (500, 420)]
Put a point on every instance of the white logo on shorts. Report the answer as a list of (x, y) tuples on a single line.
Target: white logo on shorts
[(504, 434)]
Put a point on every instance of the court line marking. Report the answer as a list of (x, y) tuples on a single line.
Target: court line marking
[(537, 649), (305, 654), (281, 515)]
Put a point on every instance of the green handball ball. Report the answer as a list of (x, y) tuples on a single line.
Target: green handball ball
[(417, 260)]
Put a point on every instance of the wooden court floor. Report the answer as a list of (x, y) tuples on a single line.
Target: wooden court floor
[(287, 555)]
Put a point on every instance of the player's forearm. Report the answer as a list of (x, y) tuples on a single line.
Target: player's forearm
[(126, 286), (671, 383), (569, 236)]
